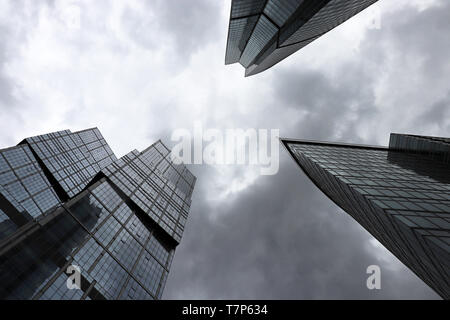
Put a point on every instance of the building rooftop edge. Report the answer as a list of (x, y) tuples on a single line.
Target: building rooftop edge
[(334, 144)]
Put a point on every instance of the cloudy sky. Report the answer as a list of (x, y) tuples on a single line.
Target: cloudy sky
[(138, 70)]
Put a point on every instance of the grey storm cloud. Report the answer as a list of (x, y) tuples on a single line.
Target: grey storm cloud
[(422, 36), (189, 25), (438, 113), (281, 238), (326, 101), (140, 69), (192, 23), (6, 86)]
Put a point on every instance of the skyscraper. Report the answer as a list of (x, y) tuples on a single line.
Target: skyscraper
[(400, 194), (67, 202), (261, 33)]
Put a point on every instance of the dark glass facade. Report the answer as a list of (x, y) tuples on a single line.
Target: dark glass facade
[(263, 32), (400, 194), (66, 200)]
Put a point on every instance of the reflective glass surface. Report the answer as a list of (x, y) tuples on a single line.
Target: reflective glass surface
[(23, 180), (6, 225), (161, 189), (118, 256), (73, 159), (65, 200), (401, 198), (262, 33)]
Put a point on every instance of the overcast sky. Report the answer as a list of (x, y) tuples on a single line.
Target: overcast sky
[(140, 69)]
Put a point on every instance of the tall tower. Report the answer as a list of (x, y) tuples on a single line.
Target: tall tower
[(400, 194), (78, 223), (261, 33)]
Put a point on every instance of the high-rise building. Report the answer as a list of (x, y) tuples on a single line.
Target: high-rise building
[(400, 194), (78, 223), (261, 33)]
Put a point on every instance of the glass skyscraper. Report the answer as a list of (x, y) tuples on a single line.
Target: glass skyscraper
[(400, 194), (261, 33), (66, 200)]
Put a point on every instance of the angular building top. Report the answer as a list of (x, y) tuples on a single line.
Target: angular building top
[(44, 171), (72, 159), (400, 194), (261, 33)]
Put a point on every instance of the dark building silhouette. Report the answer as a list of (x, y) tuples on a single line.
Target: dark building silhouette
[(66, 200), (261, 33), (400, 194)]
